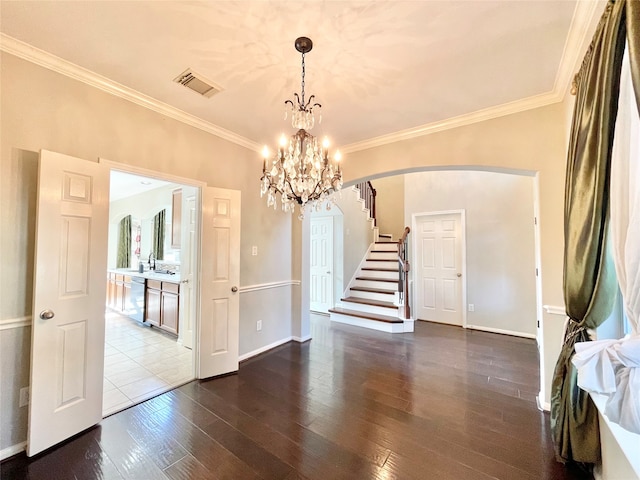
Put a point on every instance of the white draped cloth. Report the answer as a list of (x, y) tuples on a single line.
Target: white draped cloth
[(612, 367)]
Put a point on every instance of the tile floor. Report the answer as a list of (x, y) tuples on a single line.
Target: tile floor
[(140, 363)]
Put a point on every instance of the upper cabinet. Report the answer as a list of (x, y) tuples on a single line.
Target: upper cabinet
[(176, 218)]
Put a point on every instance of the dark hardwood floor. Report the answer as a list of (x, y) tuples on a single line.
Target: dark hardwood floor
[(441, 403)]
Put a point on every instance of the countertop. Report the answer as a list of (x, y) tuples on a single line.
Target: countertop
[(149, 274)]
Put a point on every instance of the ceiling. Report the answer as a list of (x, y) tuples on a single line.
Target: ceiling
[(124, 185), (379, 68)]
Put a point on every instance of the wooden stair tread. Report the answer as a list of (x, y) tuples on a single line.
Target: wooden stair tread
[(384, 251), (369, 316), (382, 260), (373, 290), (367, 301), (375, 279), (375, 269)]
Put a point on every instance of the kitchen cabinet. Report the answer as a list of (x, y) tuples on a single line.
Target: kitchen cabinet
[(162, 305), (118, 291)]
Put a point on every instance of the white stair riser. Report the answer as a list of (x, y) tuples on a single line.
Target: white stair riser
[(382, 256), (378, 264), (361, 307), (390, 247), (372, 324), (375, 284), (372, 295), (378, 274)]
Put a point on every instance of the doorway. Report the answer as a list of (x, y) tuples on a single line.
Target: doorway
[(150, 316), (321, 258), (439, 255)]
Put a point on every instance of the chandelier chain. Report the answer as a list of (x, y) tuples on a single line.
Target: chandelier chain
[(302, 87)]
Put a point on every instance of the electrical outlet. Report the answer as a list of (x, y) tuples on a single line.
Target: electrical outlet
[(254, 250), (24, 396), (472, 307), (259, 325)]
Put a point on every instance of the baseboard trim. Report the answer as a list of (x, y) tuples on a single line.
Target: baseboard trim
[(306, 338), (12, 450), (267, 286), (19, 322), (542, 405), (260, 350), (501, 331)]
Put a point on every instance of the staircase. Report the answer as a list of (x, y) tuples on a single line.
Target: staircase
[(372, 299)]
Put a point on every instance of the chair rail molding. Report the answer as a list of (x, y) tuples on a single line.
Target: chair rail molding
[(267, 286), (555, 310), (19, 322)]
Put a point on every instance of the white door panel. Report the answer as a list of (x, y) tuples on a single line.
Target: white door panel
[(321, 260), (439, 289), (67, 354), (219, 298), (188, 265)]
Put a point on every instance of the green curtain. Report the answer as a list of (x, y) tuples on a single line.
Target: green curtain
[(590, 285), (158, 235), (124, 243)]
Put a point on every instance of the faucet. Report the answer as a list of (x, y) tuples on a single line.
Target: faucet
[(152, 266)]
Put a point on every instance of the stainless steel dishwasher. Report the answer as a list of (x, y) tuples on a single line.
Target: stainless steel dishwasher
[(135, 309)]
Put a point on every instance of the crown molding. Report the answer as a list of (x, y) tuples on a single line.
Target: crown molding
[(455, 122), (47, 60), (578, 38)]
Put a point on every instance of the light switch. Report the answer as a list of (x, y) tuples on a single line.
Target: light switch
[(254, 250)]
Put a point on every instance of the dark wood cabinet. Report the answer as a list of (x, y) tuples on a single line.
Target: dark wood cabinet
[(118, 291), (162, 305), (153, 302)]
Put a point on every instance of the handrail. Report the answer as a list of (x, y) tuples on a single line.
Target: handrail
[(404, 267), (368, 194)]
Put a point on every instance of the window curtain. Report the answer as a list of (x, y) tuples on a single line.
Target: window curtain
[(124, 243), (158, 234), (590, 285), (612, 367)]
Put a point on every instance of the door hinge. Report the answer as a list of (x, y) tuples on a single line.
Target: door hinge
[(538, 323), (536, 272), (535, 220)]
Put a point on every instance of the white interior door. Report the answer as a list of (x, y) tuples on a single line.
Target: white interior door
[(188, 265), (321, 262), (439, 268), (219, 302), (67, 338)]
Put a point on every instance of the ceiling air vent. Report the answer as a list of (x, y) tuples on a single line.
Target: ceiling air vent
[(197, 83)]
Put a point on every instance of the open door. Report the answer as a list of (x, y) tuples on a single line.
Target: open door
[(188, 265), (67, 339), (220, 274)]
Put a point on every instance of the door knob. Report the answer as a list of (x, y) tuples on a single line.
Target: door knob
[(459, 275), (186, 280), (47, 314), (234, 289), (328, 272)]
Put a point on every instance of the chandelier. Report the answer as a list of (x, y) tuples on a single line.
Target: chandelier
[(301, 172)]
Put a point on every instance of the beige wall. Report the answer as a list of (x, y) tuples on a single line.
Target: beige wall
[(530, 141), (45, 110), (389, 203), (500, 247)]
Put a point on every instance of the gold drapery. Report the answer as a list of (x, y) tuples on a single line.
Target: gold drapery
[(158, 234), (124, 243), (590, 286)]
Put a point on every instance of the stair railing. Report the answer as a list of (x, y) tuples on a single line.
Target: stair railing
[(368, 194), (403, 281)]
